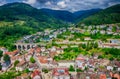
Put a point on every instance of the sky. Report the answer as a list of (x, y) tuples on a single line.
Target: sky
[(70, 5)]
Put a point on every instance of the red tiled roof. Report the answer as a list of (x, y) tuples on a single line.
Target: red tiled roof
[(38, 49), (102, 76), (12, 53), (43, 59), (80, 58), (8, 53), (111, 44), (35, 73), (117, 76), (60, 71), (21, 63), (31, 51)]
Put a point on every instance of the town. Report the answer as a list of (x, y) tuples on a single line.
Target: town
[(86, 52)]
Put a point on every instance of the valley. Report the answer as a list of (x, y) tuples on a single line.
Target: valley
[(58, 44)]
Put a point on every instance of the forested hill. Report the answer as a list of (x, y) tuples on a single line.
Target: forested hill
[(106, 16), (19, 19), (69, 16), (31, 16), (59, 14)]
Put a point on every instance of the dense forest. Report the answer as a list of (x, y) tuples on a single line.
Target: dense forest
[(106, 16)]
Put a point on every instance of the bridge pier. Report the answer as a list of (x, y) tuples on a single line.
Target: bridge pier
[(24, 46), (17, 47)]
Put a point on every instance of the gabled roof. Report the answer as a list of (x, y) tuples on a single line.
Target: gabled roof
[(60, 71), (35, 73)]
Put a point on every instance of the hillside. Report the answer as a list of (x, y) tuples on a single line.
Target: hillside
[(24, 12), (106, 16), (85, 13), (60, 14), (69, 16), (19, 19)]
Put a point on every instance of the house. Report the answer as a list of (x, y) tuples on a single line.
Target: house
[(52, 54), (87, 38), (81, 61), (43, 49), (117, 64), (52, 36), (3, 49), (115, 75), (109, 68), (90, 27), (8, 53), (53, 49), (11, 54), (60, 73), (45, 62), (27, 57), (81, 76), (66, 63), (59, 51), (31, 51), (21, 66), (32, 66), (104, 62), (109, 28), (5, 65), (102, 26), (94, 76), (94, 31), (36, 75), (115, 41), (64, 46), (37, 49), (109, 45), (102, 32), (14, 58), (24, 76), (102, 76), (15, 52), (109, 32)]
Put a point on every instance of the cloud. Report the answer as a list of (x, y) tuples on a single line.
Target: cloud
[(71, 5), (62, 4), (2, 2), (32, 2), (48, 3)]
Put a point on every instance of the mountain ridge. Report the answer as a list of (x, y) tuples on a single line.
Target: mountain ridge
[(106, 16), (69, 16)]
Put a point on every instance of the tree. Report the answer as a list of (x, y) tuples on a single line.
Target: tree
[(6, 58), (0, 66), (26, 70), (111, 58), (32, 60), (100, 57), (16, 62), (45, 70), (114, 51), (71, 68), (114, 29), (83, 46), (1, 53), (79, 70), (95, 45)]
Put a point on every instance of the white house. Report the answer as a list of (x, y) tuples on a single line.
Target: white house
[(109, 68), (66, 64)]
